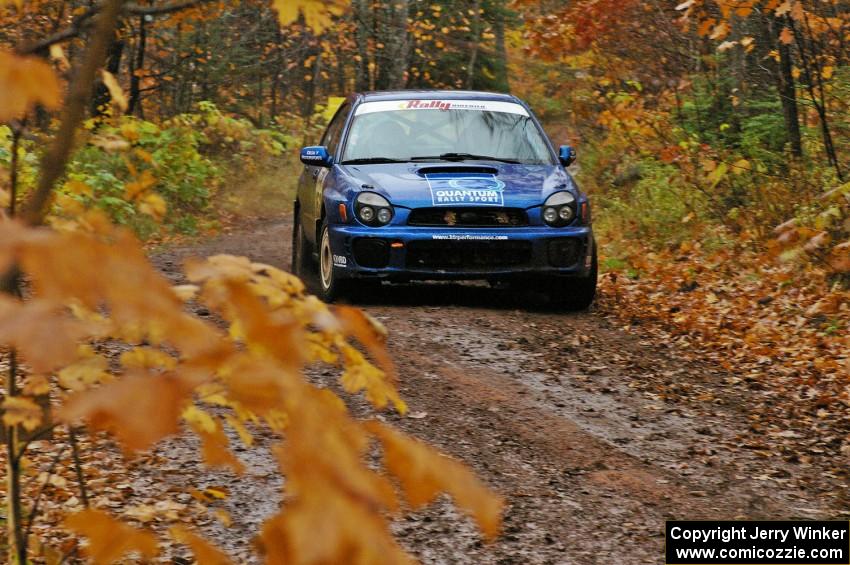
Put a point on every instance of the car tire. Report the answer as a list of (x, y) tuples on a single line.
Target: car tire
[(303, 263), (574, 294), (302, 252), (331, 287)]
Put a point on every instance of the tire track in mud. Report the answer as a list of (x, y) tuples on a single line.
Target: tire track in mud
[(564, 415)]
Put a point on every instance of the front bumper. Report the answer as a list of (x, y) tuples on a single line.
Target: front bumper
[(423, 253)]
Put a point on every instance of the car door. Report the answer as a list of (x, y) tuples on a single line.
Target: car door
[(312, 182)]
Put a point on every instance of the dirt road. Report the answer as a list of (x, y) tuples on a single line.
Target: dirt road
[(593, 435)]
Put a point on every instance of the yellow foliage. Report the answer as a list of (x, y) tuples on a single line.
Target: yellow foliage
[(19, 410), (36, 385), (25, 82), (318, 15), (199, 419), (214, 446), (143, 182), (139, 409), (238, 425), (46, 338), (424, 473), (82, 374), (147, 358), (90, 285), (205, 553), (110, 539), (115, 91), (153, 205)]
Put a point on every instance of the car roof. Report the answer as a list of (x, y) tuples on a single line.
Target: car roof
[(434, 95)]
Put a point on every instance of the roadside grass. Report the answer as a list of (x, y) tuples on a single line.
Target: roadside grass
[(264, 189)]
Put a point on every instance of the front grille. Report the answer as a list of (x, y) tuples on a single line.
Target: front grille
[(371, 252), (468, 217), (467, 255)]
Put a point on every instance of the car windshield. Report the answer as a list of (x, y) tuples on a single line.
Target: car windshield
[(412, 130)]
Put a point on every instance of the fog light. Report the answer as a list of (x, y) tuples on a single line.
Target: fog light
[(565, 252), (371, 252)]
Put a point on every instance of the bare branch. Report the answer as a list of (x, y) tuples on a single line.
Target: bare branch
[(82, 22), (54, 160), (78, 25), (137, 10)]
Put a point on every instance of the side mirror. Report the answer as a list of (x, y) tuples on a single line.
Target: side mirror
[(317, 156), (567, 155)]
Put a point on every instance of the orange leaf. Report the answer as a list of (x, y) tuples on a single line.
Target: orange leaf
[(840, 257), (783, 8), (139, 409), (60, 266), (370, 333), (45, 337), (318, 15), (259, 390), (424, 473), (139, 185), (214, 448), (21, 410), (816, 242), (205, 552), (303, 534), (153, 205), (720, 31), (24, 83), (115, 91), (110, 539), (276, 333)]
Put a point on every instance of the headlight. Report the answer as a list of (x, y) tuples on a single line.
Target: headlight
[(559, 209), (373, 209)]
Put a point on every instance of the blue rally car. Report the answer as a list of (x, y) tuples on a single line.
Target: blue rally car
[(429, 185)]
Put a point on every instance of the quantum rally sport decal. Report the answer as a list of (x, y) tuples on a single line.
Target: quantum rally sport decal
[(452, 189)]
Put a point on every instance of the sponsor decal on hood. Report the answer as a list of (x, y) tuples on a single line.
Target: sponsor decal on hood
[(452, 189)]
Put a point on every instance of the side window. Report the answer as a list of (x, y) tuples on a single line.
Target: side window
[(334, 131)]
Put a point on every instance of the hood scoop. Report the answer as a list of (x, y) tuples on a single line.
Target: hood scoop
[(457, 169)]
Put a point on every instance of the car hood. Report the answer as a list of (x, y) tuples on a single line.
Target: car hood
[(416, 185)]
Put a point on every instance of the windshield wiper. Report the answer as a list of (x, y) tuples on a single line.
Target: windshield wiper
[(464, 157), (372, 161)]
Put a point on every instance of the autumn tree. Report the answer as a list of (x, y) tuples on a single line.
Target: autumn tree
[(83, 281)]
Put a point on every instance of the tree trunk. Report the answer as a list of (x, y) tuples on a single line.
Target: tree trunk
[(313, 85), (476, 39), (501, 63), (138, 66), (788, 97), (383, 35), (277, 69), (815, 88), (363, 19), (102, 98), (399, 45)]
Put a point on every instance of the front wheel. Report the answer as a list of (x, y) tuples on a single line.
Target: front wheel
[(574, 294), (331, 286), (302, 262)]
